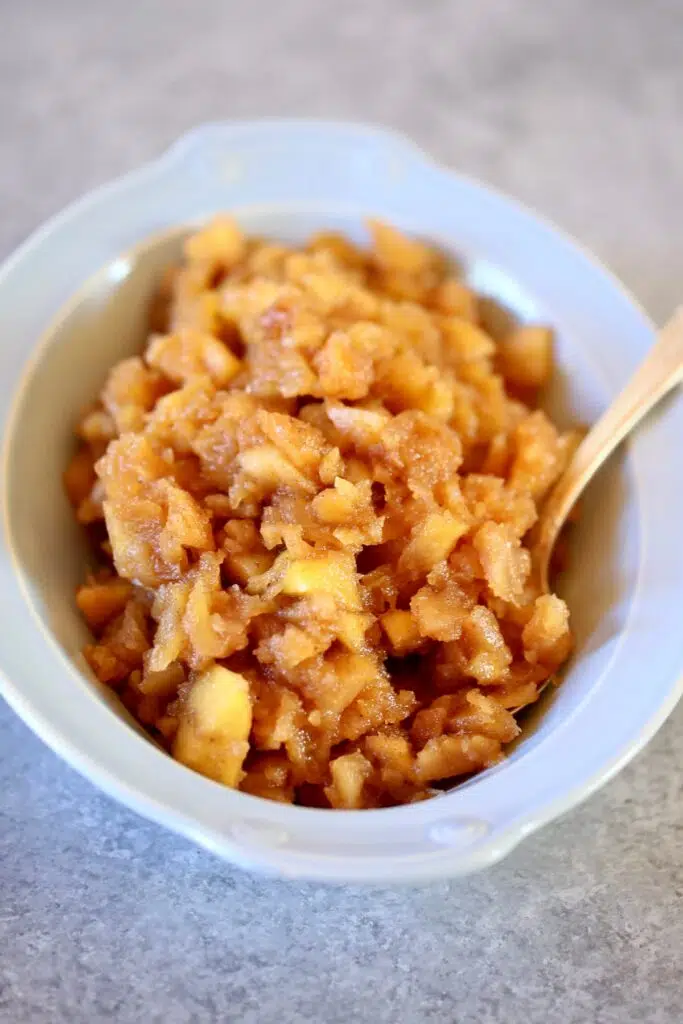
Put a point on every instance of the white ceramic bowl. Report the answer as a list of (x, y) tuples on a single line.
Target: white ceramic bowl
[(287, 179)]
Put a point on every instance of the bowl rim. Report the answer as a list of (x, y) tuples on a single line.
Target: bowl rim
[(252, 851)]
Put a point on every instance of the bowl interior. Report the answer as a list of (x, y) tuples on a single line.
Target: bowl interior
[(106, 321)]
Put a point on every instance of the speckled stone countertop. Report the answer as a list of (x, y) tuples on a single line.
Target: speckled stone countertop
[(571, 105)]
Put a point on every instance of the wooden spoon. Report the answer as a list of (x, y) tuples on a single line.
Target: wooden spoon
[(659, 373)]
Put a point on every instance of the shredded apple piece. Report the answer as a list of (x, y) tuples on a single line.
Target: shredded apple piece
[(312, 494)]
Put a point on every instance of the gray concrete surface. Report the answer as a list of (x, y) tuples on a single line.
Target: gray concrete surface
[(575, 107)]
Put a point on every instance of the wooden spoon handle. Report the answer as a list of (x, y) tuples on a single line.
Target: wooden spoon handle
[(661, 370)]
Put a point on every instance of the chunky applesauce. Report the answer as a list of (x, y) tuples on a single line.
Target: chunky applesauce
[(312, 496)]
